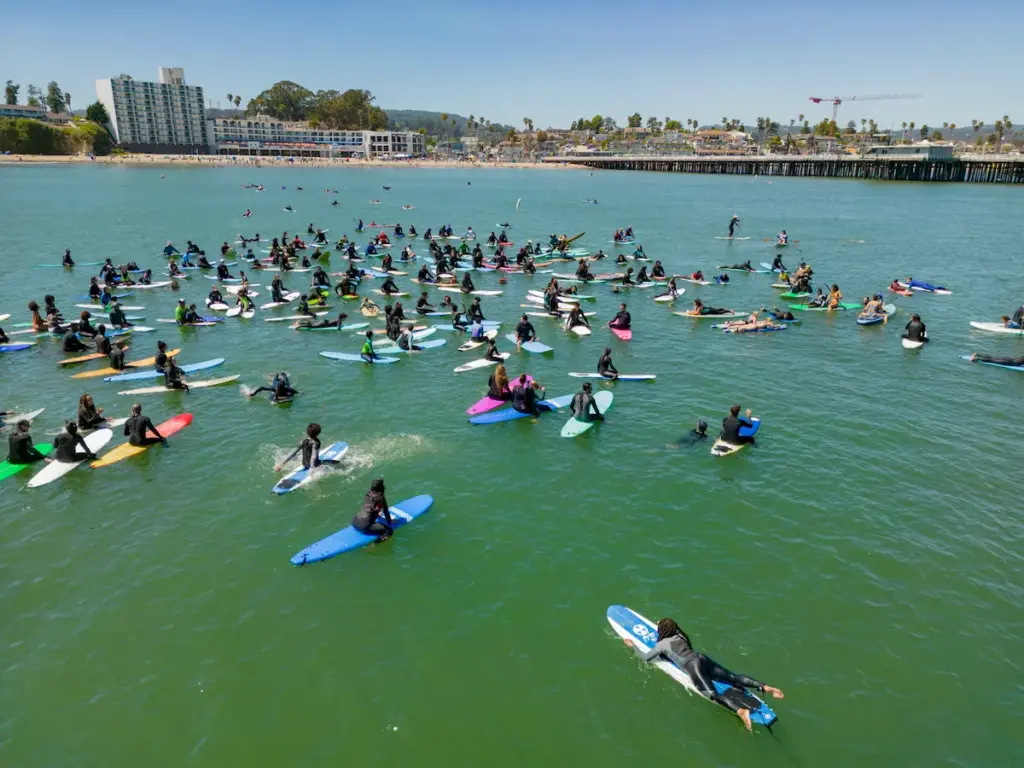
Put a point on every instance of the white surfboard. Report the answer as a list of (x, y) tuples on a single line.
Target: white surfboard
[(57, 469), (191, 385), (482, 363), (996, 328)]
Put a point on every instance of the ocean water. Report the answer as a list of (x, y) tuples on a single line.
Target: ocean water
[(865, 556)]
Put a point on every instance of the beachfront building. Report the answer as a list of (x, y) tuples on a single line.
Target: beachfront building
[(263, 136), (33, 113), (167, 116), (923, 150)]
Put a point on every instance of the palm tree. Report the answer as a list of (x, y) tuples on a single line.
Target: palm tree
[(231, 98), (238, 101), (911, 126), (1007, 124), (998, 126), (453, 136), (952, 131), (863, 125), (444, 122), (904, 125)]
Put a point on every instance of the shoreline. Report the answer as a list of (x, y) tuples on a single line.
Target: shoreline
[(241, 161)]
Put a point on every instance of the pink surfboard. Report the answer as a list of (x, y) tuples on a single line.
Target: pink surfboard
[(489, 403), (623, 333)]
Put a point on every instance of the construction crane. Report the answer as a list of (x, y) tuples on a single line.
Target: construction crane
[(837, 100)]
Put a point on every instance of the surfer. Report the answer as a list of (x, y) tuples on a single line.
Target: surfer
[(68, 261), (280, 388), (1017, 321), (915, 329), (467, 284), (524, 332), (388, 287), (338, 322), (674, 645), (180, 313), (1013, 362), (475, 313), (777, 264), (606, 367), (71, 342), (575, 318), (779, 314), (526, 396), (583, 405), (696, 435), (425, 275), (622, 319), (873, 308), (657, 271), (160, 362), (65, 445), (497, 384), (912, 283), (732, 424), (222, 271), (744, 267), (20, 449), (116, 357), (583, 271), (173, 376), (643, 277), (309, 446), (423, 305), (136, 427), (367, 352), (734, 222), (405, 341), (170, 250), (89, 416), (492, 352), (375, 506), (782, 238)]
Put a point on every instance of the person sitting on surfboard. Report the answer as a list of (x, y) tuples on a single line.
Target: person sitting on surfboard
[(782, 238), (576, 317), (622, 319), (916, 330), (818, 300), (526, 395), (657, 270), (375, 506), (89, 416), (605, 366), (524, 332), (492, 239), (583, 405), (873, 308), (1013, 362), (732, 424), (173, 376), (68, 261), (20, 449), (136, 427), (309, 446), (367, 352), (643, 277), (674, 644), (777, 264), (583, 271), (66, 444), (467, 284)]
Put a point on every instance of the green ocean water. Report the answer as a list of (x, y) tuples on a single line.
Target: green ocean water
[(865, 556)]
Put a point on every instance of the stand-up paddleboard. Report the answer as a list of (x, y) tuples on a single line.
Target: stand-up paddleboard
[(329, 457), (57, 469), (423, 346), (143, 375), (581, 330), (349, 538), (14, 419), (17, 347), (621, 377), (1018, 368), (910, 344), (624, 334), (809, 308), (127, 450), (481, 363), (158, 390), (733, 238), (530, 346), (722, 448), (575, 427), (630, 625), (725, 316), (114, 372), (8, 470), (489, 403), (510, 414), (345, 356), (795, 295), (996, 328)]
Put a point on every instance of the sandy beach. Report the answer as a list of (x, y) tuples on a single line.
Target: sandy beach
[(233, 161)]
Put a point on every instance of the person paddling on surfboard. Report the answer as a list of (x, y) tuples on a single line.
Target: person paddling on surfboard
[(674, 644), (606, 367), (745, 266), (375, 506), (1013, 362), (309, 446)]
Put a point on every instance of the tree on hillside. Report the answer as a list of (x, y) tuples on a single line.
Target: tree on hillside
[(634, 120), (284, 100), (97, 113), (349, 111), (55, 97), (925, 132), (608, 125), (35, 96), (653, 125), (11, 92), (237, 101), (672, 125)]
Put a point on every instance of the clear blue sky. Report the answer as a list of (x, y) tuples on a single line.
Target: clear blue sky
[(550, 61)]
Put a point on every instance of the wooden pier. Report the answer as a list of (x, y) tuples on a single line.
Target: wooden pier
[(991, 169)]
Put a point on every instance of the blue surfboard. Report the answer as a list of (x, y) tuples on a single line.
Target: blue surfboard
[(751, 431), (870, 319), (530, 346), (510, 414), (350, 358), (644, 634), (423, 345), (331, 455), (349, 538), (1018, 368), (154, 374)]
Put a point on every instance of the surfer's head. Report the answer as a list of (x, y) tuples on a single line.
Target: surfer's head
[(377, 485), (735, 410), (669, 628), (702, 428), (313, 430)]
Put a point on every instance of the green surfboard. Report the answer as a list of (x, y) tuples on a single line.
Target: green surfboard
[(7, 469)]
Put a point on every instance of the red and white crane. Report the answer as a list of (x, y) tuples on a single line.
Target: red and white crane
[(837, 100)]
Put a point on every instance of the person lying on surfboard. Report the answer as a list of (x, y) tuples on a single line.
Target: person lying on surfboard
[(744, 266), (674, 644), (700, 309), (1013, 362)]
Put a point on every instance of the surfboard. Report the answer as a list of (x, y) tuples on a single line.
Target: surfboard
[(17, 347), (726, 316), (575, 427), (630, 625), (127, 450), (909, 344), (113, 372), (871, 319), (358, 359), (472, 344), (107, 307), (57, 469), (329, 457), (996, 328), (288, 299), (142, 375), (581, 330), (482, 363), (150, 286), (455, 289), (191, 385), (624, 334), (808, 308), (722, 448), (15, 418), (666, 297), (424, 345), (530, 346), (1018, 368), (299, 317), (767, 329), (733, 238), (83, 358), (348, 538), (622, 377), (9, 470), (510, 414)]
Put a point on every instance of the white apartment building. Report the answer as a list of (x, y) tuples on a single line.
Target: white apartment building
[(267, 136), (165, 116)]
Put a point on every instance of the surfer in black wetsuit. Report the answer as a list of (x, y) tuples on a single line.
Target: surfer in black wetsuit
[(696, 435), (116, 356), (173, 376), (71, 342), (89, 416), (732, 424), (388, 287), (622, 319), (492, 351), (733, 223), (338, 322), (1013, 362), (475, 313), (674, 645), (745, 266), (606, 367), (222, 271), (583, 405), (525, 396), (117, 316), (68, 261), (138, 425), (915, 330), (524, 332), (309, 446), (777, 264), (375, 506), (20, 447), (102, 342), (65, 445), (700, 309), (423, 304), (277, 290), (280, 388)]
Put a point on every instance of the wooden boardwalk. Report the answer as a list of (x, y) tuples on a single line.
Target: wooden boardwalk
[(993, 169)]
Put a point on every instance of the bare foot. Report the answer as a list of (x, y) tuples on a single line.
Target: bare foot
[(744, 715)]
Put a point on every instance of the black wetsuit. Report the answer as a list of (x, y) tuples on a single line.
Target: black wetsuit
[(89, 419), (731, 430), (65, 446), (116, 358), (72, 343), (136, 429), (584, 407), (525, 331), (524, 399), (117, 317), (310, 447), (605, 366), (172, 378), (375, 505), (103, 345), (916, 331), (703, 671), (622, 320), (1016, 362), (20, 449)]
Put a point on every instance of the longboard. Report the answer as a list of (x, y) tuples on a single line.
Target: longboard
[(191, 385), (358, 358), (347, 539), (57, 469), (154, 374), (621, 376), (510, 414), (127, 450), (575, 427), (9, 470), (114, 372)]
